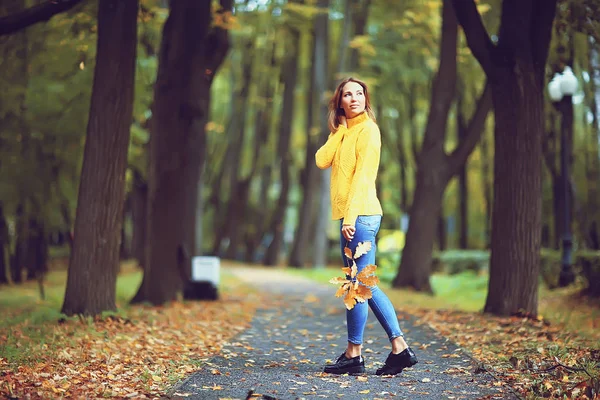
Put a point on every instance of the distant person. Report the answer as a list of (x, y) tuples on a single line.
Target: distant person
[(352, 151)]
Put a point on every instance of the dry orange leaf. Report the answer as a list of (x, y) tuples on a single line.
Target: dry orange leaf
[(355, 287), (348, 252)]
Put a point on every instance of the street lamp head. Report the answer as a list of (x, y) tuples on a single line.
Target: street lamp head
[(554, 88), (568, 82)]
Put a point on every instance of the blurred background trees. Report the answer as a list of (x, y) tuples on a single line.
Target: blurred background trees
[(229, 108)]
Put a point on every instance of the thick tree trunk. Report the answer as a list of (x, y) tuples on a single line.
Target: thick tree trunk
[(515, 68), (189, 57), (514, 262), (94, 262), (592, 233), (432, 170)]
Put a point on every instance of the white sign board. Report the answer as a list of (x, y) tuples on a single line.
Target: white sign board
[(206, 269)]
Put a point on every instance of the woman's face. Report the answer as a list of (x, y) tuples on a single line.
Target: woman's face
[(353, 99)]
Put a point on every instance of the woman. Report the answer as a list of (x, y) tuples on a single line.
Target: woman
[(352, 151)]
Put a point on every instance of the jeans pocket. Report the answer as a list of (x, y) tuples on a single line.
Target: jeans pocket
[(370, 221)]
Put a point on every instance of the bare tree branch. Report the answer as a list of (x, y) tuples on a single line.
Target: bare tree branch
[(477, 37), (541, 32), (42, 12), (474, 131)]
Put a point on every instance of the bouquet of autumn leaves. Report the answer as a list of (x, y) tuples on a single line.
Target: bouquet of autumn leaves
[(355, 287)]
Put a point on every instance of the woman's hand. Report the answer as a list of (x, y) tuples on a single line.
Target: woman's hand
[(342, 120), (348, 232)]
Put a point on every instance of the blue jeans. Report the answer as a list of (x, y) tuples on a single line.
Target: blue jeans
[(367, 227)]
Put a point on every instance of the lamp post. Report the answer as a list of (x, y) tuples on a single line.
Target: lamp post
[(561, 89)]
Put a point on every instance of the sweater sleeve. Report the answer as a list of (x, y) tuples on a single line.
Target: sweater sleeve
[(324, 156), (368, 150)]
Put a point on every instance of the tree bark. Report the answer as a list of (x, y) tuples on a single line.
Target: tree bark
[(94, 262), (190, 55), (515, 67), (591, 220), (38, 13), (321, 74)]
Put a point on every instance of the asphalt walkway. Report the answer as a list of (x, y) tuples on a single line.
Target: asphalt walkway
[(281, 356)]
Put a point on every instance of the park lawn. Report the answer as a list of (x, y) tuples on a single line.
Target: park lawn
[(136, 351), (556, 354)]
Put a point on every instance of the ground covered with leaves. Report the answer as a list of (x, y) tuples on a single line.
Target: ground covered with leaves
[(141, 351), (533, 356), (136, 353)]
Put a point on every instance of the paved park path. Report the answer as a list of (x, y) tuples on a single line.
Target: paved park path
[(281, 356)]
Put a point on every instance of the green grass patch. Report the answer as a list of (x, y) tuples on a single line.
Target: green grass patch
[(29, 323)]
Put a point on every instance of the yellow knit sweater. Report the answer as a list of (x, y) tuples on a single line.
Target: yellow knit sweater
[(353, 155)]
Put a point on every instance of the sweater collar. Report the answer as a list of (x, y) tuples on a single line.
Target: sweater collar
[(362, 117)]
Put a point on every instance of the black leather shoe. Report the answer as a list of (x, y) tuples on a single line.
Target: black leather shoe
[(395, 363), (345, 365)]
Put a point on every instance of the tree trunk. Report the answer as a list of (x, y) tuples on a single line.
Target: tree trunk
[(233, 158), (309, 183), (94, 262), (37, 246), (289, 72), (592, 234), (4, 241), (486, 175), (19, 258), (360, 14), (403, 164), (177, 144), (515, 67), (432, 170), (321, 73), (514, 260), (463, 189), (244, 228), (139, 212)]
